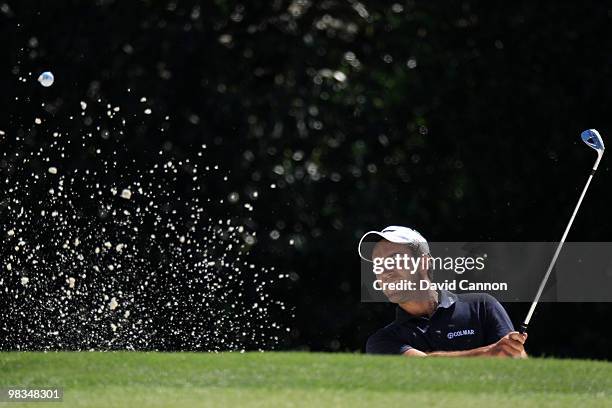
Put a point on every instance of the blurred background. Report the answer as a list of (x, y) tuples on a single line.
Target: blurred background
[(460, 119)]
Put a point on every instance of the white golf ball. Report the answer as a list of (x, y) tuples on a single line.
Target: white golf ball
[(46, 79)]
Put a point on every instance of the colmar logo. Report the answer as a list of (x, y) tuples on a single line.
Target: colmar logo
[(459, 333)]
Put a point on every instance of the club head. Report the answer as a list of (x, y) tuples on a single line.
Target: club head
[(594, 140)]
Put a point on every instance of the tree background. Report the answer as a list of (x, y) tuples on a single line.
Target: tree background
[(461, 119)]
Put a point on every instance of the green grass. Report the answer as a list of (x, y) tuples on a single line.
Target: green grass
[(305, 379)]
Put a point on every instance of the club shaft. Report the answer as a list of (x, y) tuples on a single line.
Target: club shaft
[(554, 258)]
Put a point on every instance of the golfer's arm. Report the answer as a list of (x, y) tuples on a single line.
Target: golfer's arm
[(480, 351), (463, 353), (414, 353)]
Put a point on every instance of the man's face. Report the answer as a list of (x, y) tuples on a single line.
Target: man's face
[(410, 267)]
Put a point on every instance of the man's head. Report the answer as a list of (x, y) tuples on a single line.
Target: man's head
[(398, 254)]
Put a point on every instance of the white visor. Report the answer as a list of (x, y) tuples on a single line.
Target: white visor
[(393, 233)]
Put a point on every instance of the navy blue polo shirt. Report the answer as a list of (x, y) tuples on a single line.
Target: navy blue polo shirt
[(461, 322)]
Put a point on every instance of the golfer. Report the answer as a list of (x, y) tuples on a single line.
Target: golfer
[(434, 322)]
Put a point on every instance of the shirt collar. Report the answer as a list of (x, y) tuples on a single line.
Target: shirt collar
[(445, 300)]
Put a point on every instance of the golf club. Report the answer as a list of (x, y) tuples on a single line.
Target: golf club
[(592, 138)]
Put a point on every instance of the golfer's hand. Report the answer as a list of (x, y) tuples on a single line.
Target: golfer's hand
[(511, 345)]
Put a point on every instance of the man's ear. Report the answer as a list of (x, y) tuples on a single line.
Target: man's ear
[(425, 271)]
